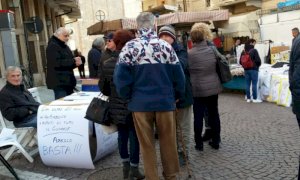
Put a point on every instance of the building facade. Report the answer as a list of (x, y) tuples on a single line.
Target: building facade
[(34, 22)]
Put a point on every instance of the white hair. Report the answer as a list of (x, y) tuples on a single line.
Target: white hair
[(145, 20), (10, 69), (60, 31)]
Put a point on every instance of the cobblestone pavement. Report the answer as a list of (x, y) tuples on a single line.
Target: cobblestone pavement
[(259, 141)]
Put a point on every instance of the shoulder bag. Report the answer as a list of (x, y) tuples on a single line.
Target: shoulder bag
[(223, 68), (98, 110)]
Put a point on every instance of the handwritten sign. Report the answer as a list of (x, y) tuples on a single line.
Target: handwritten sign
[(63, 136)]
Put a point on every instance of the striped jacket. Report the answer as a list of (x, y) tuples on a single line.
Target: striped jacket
[(148, 74)]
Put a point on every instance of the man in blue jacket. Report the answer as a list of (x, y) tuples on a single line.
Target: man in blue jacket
[(148, 74)]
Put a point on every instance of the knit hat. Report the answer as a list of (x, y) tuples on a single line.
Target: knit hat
[(167, 30), (109, 36)]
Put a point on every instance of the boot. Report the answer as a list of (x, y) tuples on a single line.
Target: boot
[(126, 169), (207, 135), (135, 173)]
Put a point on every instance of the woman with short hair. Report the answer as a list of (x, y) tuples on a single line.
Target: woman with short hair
[(206, 84)]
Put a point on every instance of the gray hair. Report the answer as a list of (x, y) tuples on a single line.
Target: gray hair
[(60, 31), (99, 43), (145, 20), (295, 29), (10, 69)]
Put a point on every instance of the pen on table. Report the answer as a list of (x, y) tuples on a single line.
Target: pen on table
[(68, 100)]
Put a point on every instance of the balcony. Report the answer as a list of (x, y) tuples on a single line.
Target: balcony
[(67, 7), (226, 3)]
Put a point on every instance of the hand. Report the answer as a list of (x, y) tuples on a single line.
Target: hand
[(78, 61)]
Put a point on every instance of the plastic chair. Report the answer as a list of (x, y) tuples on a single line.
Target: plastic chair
[(7, 138)]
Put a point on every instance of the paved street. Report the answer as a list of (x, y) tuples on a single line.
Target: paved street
[(259, 141)]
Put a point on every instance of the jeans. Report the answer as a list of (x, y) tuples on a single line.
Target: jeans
[(251, 77), (30, 121), (60, 92), (210, 104), (127, 132)]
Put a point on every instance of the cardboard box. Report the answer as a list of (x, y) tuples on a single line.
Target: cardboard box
[(90, 85), (89, 81)]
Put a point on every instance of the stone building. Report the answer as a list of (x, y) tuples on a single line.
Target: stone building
[(25, 37)]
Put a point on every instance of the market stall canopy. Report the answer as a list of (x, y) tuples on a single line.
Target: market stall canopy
[(172, 18), (241, 25)]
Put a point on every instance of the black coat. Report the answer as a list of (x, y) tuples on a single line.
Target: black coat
[(118, 111), (294, 75), (16, 102), (94, 57), (60, 64), (182, 55)]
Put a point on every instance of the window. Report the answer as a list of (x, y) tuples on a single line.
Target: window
[(207, 3)]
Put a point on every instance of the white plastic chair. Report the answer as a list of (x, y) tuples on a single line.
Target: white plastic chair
[(7, 138)]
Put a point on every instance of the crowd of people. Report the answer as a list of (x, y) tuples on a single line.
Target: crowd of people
[(151, 80)]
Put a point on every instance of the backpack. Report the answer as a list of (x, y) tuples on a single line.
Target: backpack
[(246, 61)]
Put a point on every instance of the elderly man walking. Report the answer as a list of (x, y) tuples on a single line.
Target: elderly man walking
[(149, 75)]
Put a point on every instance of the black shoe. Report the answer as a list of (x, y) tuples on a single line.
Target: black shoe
[(207, 135), (199, 147), (214, 145)]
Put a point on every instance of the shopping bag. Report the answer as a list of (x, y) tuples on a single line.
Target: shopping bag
[(222, 68), (98, 111)]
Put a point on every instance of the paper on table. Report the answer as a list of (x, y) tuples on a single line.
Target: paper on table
[(69, 102), (82, 96)]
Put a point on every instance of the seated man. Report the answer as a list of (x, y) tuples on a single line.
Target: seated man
[(17, 104)]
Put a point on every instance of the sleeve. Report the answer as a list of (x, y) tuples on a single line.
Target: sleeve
[(12, 112), (183, 57), (57, 61), (178, 77), (123, 77), (256, 58)]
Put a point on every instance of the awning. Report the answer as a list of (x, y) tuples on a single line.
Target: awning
[(162, 9), (172, 18), (241, 25)]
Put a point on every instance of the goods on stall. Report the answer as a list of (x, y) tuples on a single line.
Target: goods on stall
[(279, 54)]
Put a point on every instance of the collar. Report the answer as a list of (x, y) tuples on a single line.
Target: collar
[(60, 42), (146, 33), (20, 87)]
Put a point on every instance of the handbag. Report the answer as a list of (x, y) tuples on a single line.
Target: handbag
[(223, 68), (98, 110)]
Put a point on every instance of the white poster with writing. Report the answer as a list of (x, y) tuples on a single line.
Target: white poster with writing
[(63, 136), (106, 143)]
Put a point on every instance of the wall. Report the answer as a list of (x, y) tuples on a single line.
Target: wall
[(113, 10), (279, 31), (270, 4)]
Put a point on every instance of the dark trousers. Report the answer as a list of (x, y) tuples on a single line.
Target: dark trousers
[(200, 104), (81, 71), (126, 132), (60, 92)]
